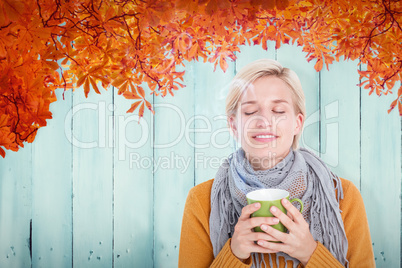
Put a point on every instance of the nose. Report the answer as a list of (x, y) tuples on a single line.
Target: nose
[(263, 121)]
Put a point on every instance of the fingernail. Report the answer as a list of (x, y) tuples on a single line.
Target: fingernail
[(285, 201), (273, 209), (257, 205), (264, 227), (260, 243), (276, 220)]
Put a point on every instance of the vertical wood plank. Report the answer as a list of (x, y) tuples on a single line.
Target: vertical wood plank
[(340, 120), (381, 176), (174, 169), (292, 57), (133, 206), (212, 140), (92, 180), (15, 208), (51, 189)]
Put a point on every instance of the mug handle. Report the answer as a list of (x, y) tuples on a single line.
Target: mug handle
[(299, 201)]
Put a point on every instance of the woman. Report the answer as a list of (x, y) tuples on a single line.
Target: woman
[(266, 111)]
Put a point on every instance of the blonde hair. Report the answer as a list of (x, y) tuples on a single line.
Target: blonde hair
[(262, 68)]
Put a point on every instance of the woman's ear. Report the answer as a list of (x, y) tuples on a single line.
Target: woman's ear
[(299, 123), (232, 124)]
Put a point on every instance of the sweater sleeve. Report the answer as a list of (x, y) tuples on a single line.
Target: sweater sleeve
[(322, 257), (360, 251), (195, 245)]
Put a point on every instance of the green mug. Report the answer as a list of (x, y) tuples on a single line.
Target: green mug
[(268, 198)]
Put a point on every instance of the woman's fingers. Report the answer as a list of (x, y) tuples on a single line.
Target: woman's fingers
[(271, 246), (243, 239), (277, 235), (248, 210), (283, 218), (293, 212), (256, 236), (258, 221), (299, 242), (253, 222)]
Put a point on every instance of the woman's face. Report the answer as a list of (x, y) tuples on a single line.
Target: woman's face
[(266, 122)]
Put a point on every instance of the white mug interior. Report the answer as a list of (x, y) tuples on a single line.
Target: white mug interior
[(267, 194)]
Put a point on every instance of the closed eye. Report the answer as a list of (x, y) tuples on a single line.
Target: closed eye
[(277, 112)]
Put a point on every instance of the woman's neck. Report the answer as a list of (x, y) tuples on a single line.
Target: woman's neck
[(264, 163)]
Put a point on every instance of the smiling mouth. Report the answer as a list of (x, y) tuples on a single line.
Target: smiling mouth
[(265, 136)]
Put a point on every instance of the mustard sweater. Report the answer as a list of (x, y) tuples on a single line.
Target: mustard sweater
[(196, 248)]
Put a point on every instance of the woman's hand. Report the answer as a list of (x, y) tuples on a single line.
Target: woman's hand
[(298, 243), (242, 243)]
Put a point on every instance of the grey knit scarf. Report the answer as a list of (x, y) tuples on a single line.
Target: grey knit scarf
[(303, 175)]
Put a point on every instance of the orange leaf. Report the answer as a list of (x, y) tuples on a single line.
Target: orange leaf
[(392, 106), (400, 107), (193, 51), (81, 80), (86, 88), (268, 4), (93, 83), (123, 88), (224, 65), (134, 106), (131, 95), (13, 9), (141, 111), (318, 66), (141, 91), (149, 106), (117, 82), (52, 64)]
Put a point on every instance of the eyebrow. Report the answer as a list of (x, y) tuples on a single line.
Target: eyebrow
[(274, 101)]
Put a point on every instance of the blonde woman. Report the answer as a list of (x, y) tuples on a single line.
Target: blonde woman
[(265, 107)]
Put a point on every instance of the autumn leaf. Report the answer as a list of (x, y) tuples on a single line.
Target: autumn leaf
[(141, 111), (134, 106), (131, 95), (13, 9)]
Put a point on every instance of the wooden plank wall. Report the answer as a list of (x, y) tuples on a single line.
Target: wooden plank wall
[(99, 188)]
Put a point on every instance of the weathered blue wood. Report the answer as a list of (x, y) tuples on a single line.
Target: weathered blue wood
[(292, 57), (92, 181), (15, 208), (52, 188), (381, 176), (124, 215), (174, 169), (340, 120), (212, 141), (133, 186), (250, 53)]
